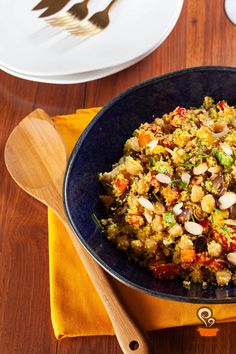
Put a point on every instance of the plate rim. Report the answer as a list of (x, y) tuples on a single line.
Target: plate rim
[(173, 21)]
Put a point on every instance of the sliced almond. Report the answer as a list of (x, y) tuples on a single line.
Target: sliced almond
[(185, 177), (221, 261), (146, 203), (169, 150), (177, 209), (230, 222), (227, 150), (148, 216), (193, 228), (213, 176), (208, 123), (232, 258), (221, 133), (214, 169), (152, 144), (227, 200), (161, 177), (200, 169)]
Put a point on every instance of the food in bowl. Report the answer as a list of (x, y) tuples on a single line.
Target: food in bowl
[(171, 198)]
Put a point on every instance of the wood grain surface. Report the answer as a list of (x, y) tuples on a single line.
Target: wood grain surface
[(202, 36)]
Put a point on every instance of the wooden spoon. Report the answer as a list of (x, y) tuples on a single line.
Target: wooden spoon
[(36, 158)]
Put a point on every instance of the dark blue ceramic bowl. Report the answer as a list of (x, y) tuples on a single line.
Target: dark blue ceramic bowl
[(101, 145)]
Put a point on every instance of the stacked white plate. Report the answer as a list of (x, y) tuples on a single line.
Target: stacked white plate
[(32, 49), (230, 9)]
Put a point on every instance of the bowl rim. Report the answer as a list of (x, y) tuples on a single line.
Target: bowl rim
[(106, 107)]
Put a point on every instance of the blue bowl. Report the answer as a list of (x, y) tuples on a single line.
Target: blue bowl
[(101, 145)]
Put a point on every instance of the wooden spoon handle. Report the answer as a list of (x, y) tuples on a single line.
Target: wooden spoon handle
[(130, 337)]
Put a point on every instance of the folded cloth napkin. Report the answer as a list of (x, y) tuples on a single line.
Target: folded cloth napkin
[(76, 308)]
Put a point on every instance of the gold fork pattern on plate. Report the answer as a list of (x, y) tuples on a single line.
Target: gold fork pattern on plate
[(95, 24), (72, 17), (75, 19), (53, 6)]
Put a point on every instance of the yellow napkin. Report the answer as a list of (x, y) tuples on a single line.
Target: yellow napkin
[(76, 308)]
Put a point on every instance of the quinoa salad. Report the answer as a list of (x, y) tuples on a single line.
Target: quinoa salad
[(171, 198)]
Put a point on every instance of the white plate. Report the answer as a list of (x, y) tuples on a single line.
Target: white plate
[(75, 78), (29, 46), (230, 9)]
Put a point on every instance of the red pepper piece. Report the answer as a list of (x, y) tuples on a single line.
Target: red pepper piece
[(204, 223), (225, 243), (164, 270), (121, 184), (181, 111), (203, 258), (233, 244), (217, 264), (154, 182), (221, 105)]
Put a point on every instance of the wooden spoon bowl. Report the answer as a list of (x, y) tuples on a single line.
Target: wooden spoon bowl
[(36, 158)]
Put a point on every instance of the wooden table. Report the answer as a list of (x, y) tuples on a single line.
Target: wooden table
[(202, 36)]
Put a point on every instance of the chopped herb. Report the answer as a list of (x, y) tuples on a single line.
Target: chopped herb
[(205, 155), (169, 219), (218, 210), (182, 184), (179, 182), (223, 159), (107, 185), (214, 222), (152, 162), (187, 165), (162, 169), (155, 196), (97, 222), (199, 144), (175, 181), (214, 150), (186, 156), (226, 230)]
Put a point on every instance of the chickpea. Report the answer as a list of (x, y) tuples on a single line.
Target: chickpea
[(197, 180), (123, 242), (142, 186), (132, 144), (223, 277), (157, 225), (208, 203), (214, 249), (185, 243), (132, 166), (176, 230), (198, 213), (112, 231), (159, 208), (137, 246), (196, 193), (177, 157), (150, 245)]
